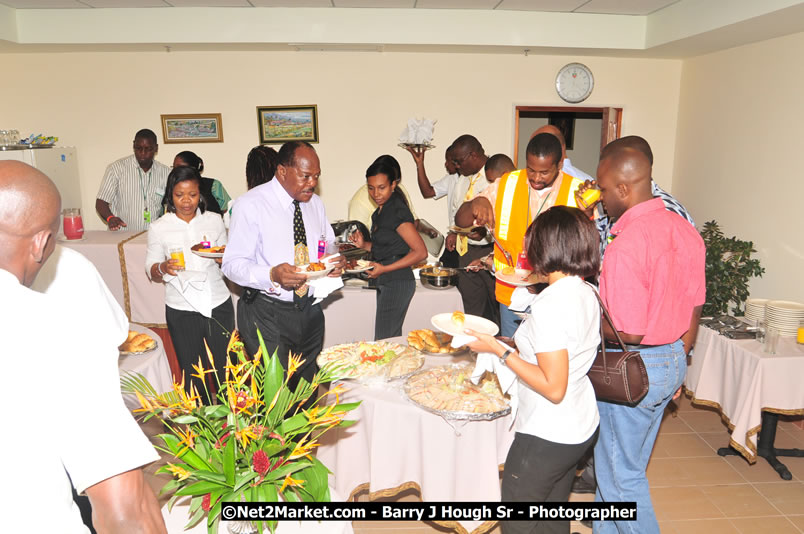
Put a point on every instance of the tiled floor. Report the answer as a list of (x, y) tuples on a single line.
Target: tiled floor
[(694, 490)]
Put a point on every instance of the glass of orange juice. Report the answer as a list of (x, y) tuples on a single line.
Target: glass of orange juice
[(800, 336), (177, 253), (589, 197)]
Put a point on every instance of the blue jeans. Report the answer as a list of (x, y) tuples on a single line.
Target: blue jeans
[(508, 321), (626, 440)]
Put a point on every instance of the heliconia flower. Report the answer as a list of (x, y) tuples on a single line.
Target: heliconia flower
[(337, 390), (206, 503), (146, 405), (178, 471), (302, 449), (260, 462), (324, 416), (187, 438), (294, 362), (245, 435), (290, 481), (200, 372)]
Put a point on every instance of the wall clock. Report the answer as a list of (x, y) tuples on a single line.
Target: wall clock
[(574, 83)]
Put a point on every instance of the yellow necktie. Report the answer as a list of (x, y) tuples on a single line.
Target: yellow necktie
[(462, 245)]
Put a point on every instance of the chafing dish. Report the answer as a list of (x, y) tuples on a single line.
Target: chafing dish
[(439, 277)]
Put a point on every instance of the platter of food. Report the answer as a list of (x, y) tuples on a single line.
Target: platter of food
[(436, 343), (425, 146), (210, 252), (316, 270), (371, 360), (137, 343), (358, 266), (517, 277), (448, 391), (454, 324)]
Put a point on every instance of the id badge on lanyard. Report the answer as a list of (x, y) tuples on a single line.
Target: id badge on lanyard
[(146, 215)]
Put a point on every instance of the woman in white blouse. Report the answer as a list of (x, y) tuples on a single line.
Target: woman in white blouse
[(557, 420), (198, 305)]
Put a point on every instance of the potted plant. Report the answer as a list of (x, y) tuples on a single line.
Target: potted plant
[(253, 445), (728, 269)]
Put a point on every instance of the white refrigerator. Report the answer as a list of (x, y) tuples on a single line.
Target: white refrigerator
[(59, 163)]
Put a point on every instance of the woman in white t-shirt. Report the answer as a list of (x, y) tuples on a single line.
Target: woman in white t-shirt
[(198, 305), (557, 420)]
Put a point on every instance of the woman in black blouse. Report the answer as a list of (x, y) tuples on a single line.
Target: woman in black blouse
[(395, 245)]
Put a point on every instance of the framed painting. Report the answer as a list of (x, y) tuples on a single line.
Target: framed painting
[(279, 124), (192, 128)]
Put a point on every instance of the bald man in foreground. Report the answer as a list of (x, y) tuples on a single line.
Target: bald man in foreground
[(74, 425), (653, 284)]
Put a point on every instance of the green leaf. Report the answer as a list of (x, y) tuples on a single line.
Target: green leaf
[(287, 469), (268, 493), (185, 419), (293, 423), (316, 480), (210, 476), (169, 487), (199, 488), (229, 460), (274, 373), (245, 479)]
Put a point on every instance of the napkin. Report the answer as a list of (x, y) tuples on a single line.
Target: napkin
[(322, 287), (194, 288), (487, 361), (521, 299), (418, 131)]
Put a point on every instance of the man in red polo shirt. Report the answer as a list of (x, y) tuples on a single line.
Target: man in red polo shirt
[(653, 284)]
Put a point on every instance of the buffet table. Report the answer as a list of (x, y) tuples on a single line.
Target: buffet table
[(152, 365), (397, 446), (349, 313), (743, 382)]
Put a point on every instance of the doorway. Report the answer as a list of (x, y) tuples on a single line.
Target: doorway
[(586, 130)]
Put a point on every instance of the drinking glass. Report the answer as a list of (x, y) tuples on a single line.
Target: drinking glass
[(800, 336), (73, 223), (177, 253), (771, 340), (761, 332)]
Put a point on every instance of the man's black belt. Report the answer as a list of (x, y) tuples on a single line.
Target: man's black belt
[(250, 295)]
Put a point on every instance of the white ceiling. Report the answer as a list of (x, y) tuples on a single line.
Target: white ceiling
[(614, 7)]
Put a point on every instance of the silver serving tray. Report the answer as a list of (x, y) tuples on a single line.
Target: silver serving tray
[(453, 415)]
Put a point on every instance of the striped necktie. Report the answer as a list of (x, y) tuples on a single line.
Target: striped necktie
[(301, 255)]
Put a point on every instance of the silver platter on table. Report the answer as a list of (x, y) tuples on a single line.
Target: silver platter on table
[(453, 415)]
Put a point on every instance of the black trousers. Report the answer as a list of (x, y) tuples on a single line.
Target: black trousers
[(477, 289), (285, 327), (189, 330), (393, 300), (538, 470)]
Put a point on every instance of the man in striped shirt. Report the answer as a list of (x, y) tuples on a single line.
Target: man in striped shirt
[(130, 195)]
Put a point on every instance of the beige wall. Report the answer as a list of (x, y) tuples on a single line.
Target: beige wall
[(96, 101), (739, 148)]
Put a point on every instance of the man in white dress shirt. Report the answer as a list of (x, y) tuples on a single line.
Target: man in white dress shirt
[(130, 195), (75, 426)]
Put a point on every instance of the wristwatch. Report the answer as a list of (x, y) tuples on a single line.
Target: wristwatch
[(505, 355)]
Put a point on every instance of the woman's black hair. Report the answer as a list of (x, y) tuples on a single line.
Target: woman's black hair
[(389, 166), (563, 239), (176, 176), (260, 165), (191, 159)]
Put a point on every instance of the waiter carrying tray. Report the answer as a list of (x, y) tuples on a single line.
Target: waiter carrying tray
[(276, 227)]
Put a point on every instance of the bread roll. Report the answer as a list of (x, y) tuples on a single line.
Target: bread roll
[(458, 318)]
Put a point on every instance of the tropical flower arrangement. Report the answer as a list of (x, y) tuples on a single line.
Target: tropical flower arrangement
[(254, 444)]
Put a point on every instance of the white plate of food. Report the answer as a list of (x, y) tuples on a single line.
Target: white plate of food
[(358, 266), (211, 252), (455, 323), (316, 270), (517, 277), (371, 360)]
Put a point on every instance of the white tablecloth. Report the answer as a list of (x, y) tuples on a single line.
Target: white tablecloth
[(349, 313), (395, 445), (178, 517), (152, 365), (741, 380)]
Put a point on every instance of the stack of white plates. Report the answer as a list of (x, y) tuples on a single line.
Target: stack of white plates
[(755, 309), (785, 316)]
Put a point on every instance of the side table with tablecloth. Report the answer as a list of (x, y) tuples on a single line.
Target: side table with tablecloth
[(742, 381), (153, 365), (395, 446)]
